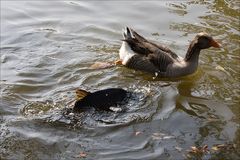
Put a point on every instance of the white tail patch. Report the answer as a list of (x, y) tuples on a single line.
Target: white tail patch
[(125, 52)]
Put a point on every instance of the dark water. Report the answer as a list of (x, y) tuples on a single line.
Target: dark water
[(47, 48)]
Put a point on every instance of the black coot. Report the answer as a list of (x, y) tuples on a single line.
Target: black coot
[(100, 100)]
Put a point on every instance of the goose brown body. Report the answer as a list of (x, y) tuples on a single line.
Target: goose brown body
[(138, 53)]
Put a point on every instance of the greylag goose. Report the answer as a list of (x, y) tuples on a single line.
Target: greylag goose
[(100, 100), (138, 53)]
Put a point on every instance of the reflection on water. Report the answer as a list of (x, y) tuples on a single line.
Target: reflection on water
[(46, 55)]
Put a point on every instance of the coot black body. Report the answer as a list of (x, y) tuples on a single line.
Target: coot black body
[(100, 100)]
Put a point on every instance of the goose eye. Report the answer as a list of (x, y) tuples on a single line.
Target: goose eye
[(204, 39)]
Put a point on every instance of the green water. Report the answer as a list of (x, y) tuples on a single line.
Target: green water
[(47, 48)]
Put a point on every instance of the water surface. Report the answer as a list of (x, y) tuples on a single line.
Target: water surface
[(47, 48)]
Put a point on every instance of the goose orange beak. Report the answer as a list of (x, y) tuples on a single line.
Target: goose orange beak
[(215, 44)]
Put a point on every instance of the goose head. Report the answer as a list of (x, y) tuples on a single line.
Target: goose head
[(204, 41), (201, 41)]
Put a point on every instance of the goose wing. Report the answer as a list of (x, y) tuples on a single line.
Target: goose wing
[(153, 63), (142, 46), (161, 60)]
